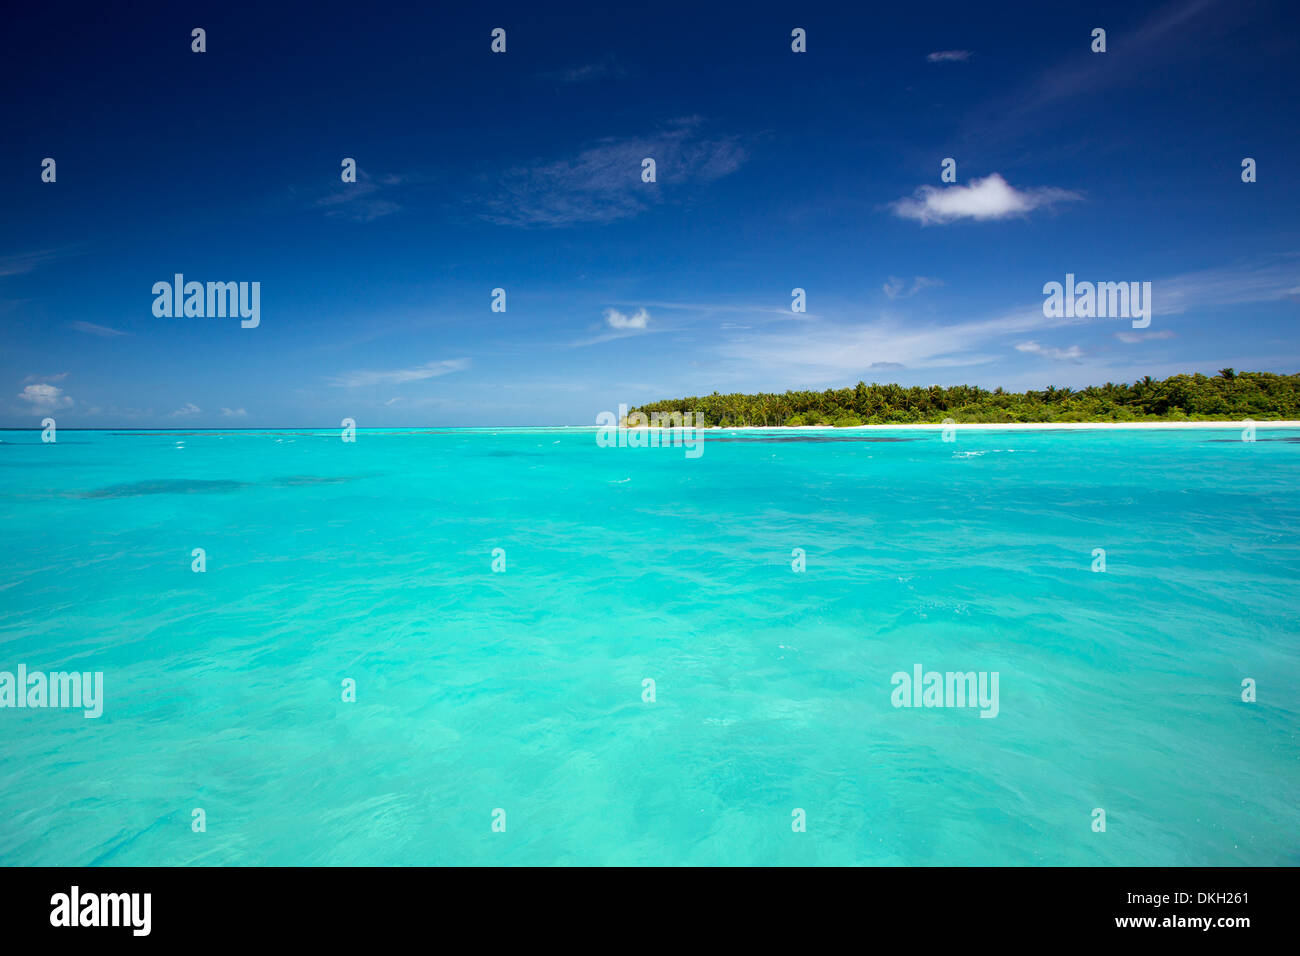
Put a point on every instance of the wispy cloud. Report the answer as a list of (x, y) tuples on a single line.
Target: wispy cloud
[(1174, 32), (117, 412), (949, 56), (897, 288), (829, 351), (234, 413), (186, 410), (1276, 279), (764, 311), (1132, 338), (363, 201), (27, 261), (606, 67), (1144, 49), (603, 182), (984, 199), (90, 328), (1071, 354), (418, 373)]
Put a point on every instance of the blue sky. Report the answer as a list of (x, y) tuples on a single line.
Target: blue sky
[(522, 171)]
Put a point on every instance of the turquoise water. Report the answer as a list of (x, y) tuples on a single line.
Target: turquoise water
[(522, 690)]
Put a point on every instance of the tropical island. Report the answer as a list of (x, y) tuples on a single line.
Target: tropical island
[(1228, 396)]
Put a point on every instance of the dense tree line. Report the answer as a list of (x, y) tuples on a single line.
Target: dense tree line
[(1229, 395)]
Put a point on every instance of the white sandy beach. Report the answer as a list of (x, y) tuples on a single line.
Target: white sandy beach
[(1023, 426), (971, 426)]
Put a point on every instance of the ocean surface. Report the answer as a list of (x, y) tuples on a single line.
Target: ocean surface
[(521, 690)]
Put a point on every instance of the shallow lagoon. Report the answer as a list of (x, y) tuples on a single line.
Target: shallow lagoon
[(523, 690)]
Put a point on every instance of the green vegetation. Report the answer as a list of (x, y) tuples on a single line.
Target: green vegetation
[(1229, 396)]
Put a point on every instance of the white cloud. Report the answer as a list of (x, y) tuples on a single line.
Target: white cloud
[(984, 199), (234, 412), (618, 320), (399, 376), (949, 56), (45, 397), (1072, 354), (189, 408)]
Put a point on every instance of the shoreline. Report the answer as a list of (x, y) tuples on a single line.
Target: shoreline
[(1013, 426)]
